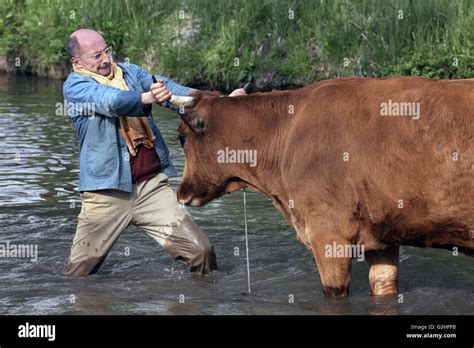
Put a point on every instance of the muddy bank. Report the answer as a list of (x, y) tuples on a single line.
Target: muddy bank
[(17, 64)]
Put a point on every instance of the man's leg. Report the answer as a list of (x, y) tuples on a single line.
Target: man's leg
[(104, 216), (158, 212)]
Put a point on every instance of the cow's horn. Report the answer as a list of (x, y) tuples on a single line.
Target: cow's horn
[(179, 100)]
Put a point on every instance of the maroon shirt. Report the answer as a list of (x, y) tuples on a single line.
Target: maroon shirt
[(145, 165)]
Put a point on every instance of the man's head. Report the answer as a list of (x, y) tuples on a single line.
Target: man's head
[(87, 50)]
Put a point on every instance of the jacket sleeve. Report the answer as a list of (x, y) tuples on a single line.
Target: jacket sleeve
[(85, 97)]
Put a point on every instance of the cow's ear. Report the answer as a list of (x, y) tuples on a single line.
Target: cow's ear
[(196, 115), (196, 121)]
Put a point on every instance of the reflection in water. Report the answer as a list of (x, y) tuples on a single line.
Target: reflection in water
[(385, 305), (39, 205)]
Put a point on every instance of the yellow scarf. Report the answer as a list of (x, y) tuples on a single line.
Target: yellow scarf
[(135, 130)]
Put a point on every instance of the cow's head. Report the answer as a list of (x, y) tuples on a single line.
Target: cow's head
[(204, 179)]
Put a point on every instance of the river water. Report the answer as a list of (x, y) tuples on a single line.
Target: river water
[(39, 204)]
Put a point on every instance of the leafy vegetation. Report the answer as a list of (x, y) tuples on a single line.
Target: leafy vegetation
[(221, 44)]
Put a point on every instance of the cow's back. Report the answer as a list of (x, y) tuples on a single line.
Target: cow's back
[(416, 173)]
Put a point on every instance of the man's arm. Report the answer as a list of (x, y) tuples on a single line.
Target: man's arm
[(81, 93), (171, 86)]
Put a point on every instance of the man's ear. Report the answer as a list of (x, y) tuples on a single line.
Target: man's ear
[(75, 62)]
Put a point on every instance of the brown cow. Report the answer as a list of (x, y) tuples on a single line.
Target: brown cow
[(367, 163)]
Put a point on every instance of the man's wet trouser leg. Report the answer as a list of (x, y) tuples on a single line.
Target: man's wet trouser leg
[(152, 206), (104, 216), (158, 212)]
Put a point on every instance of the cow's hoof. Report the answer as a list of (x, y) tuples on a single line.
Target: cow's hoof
[(384, 289), (330, 291)]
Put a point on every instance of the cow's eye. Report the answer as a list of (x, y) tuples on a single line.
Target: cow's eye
[(182, 139)]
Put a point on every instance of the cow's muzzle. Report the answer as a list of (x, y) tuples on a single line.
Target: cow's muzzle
[(186, 196), (191, 201)]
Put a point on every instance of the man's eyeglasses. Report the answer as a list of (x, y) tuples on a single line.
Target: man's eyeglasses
[(98, 56)]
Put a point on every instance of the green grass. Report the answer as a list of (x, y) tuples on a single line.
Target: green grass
[(272, 49)]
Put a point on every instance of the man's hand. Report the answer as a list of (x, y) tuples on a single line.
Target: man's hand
[(158, 94)]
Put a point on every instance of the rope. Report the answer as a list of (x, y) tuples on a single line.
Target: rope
[(246, 239)]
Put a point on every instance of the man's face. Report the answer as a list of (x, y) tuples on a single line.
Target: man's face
[(92, 54)]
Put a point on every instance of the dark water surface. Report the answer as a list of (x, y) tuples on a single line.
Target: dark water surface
[(39, 205)]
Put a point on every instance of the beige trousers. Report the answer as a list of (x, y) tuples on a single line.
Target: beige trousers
[(152, 205)]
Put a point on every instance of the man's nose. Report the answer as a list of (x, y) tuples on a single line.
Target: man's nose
[(105, 58)]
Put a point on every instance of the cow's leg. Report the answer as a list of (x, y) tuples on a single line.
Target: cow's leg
[(383, 271), (334, 269)]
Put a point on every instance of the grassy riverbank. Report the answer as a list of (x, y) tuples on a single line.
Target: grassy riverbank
[(222, 43)]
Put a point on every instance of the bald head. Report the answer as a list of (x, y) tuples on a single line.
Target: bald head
[(87, 40), (82, 45)]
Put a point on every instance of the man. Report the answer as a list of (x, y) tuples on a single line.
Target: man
[(124, 161)]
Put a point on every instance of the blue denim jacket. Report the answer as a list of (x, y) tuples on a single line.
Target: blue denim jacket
[(103, 154)]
